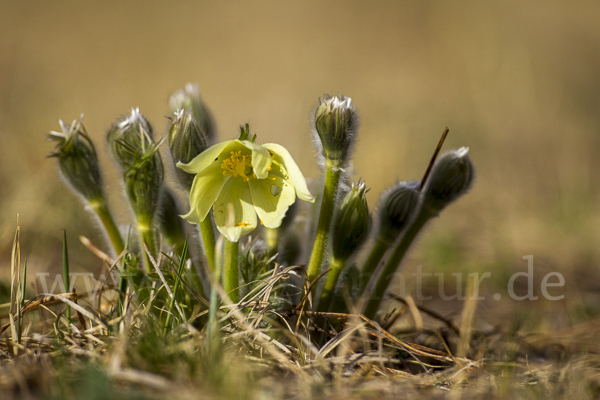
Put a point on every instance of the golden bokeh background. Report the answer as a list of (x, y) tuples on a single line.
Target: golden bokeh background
[(517, 82)]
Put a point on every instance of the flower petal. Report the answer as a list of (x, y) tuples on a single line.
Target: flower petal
[(294, 174), (204, 159), (272, 197), (237, 193), (206, 187), (261, 159)]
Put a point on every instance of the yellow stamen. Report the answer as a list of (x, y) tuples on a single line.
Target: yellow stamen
[(236, 165), (244, 224)]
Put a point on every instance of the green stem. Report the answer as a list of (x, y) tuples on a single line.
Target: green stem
[(392, 263), (114, 235), (332, 179), (372, 262), (147, 235), (208, 239), (231, 270), (174, 237), (176, 286), (272, 239), (122, 279), (336, 265), (213, 344)]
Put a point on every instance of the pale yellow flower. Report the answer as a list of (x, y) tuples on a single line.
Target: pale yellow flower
[(253, 179)]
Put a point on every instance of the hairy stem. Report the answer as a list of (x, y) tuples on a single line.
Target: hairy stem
[(208, 239), (272, 239), (332, 179), (336, 265), (114, 235), (231, 270), (147, 235), (392, 263), (372, 262)]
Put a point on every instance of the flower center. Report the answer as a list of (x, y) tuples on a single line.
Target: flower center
[(237, 165)]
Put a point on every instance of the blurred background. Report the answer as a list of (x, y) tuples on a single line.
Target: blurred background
[(517, 82)]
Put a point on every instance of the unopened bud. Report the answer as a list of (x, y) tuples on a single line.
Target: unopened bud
[(77, 159), (186, 141), (451, 177), (189, 99), (336, 122), (130, 142), (351, 223), (143, 185), (397, 207), (129, 136)]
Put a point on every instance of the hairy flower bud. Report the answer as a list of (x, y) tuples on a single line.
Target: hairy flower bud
[(143, 186), (186, 141), (336, 121), (351, 223), (397, 206), (129, 136), (77, 159), (130, 142), (451, 177), (189, 99)]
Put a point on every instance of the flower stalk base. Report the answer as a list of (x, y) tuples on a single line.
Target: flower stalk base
[(114, 235), (231, 270), (332, 180), (392, 263)]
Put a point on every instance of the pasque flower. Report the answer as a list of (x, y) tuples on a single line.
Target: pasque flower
[(247, 178), (77, 159)]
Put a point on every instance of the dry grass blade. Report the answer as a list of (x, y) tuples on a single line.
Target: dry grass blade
[(258, 298), (338, 339), (429, 312), (46, 300), (379, 332), (412, 306), (96, 251), (147, 379), (467, 319), (434, 157), (266, 341), (15, 286), (188, 287), (308, 291), (71, 302), (163, 280)]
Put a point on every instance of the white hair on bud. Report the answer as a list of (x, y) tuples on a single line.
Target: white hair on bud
[(179, 113), (193, 89), (463, 151), (344, 104), (134, 118), (180, 98)]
